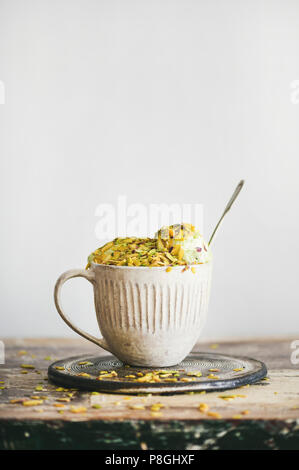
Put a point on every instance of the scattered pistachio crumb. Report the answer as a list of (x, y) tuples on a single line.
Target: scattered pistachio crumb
[(214, 414), (79, 409), (17, 401), (32, 402), (203, 407), (156, 414), (137, 407)]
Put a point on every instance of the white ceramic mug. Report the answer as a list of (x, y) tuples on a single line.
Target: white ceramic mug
[(147, 316)]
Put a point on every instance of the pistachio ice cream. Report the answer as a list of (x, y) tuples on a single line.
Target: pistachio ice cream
[(174, 245)]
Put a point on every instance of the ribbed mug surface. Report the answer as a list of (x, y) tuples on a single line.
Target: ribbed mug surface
[(150, 317)]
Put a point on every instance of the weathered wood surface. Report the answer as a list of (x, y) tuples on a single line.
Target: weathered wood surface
[(266, 416)]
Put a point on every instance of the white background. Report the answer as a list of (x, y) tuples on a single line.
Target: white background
[(162, 101)]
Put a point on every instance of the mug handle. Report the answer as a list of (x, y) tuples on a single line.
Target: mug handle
[(89, 275)]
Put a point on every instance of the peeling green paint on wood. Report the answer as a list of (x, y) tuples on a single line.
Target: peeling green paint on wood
[(174, 435)]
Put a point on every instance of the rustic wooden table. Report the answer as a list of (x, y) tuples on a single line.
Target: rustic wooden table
[(35, 414)]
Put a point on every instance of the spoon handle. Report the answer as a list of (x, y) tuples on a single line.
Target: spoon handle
[(227, 208)]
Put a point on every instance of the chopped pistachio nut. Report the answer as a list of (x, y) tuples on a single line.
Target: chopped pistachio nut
[(165, 250), (203, 407), (227, 397), (32, 402), (157, 406), (137, 407), (79, 409), (194, 374), (214, 414), (156, 414), (17, 401), (22, 353)]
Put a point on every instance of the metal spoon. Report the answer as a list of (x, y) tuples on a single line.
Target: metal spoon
[(227, 208)]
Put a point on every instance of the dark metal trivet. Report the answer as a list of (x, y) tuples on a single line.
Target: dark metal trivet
[(252, 371)]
